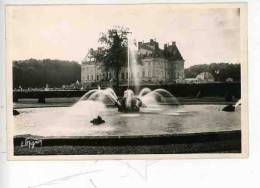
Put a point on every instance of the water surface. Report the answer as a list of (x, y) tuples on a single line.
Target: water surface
[(160, 119)]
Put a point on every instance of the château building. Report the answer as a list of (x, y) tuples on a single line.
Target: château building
[(158, 66)]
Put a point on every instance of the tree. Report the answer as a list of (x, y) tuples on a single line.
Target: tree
[(220, 71), (38, 73), (114, 53)]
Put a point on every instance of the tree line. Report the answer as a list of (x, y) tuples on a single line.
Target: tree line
[(37, 73), (220, 71)]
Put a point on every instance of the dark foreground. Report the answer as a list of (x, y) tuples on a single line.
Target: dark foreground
[(212, 142)]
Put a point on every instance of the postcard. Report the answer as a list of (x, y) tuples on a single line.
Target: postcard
[(136, 81)]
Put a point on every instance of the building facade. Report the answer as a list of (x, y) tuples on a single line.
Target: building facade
[(156, 66)]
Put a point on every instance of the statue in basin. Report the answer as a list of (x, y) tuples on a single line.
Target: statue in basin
[(129, 102)]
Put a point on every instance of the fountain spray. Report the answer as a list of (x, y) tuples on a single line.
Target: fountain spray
[(128, 61)]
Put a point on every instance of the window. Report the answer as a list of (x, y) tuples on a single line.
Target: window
[(88, 77), (122, 76), (97, 77), (91, 77)]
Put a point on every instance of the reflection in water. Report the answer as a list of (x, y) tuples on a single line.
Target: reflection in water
[(163, 119)]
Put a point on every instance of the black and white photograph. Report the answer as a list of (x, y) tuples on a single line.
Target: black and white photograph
[(122, 81)]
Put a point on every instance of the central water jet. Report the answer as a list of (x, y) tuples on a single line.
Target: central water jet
[(131, 102)]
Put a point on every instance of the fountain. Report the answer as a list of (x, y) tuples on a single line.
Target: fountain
[(131, 102)]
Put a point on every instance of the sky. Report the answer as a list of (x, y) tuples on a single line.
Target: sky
[(66, 32)]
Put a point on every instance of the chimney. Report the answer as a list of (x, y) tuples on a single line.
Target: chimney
[(156, 45), (173, 43)]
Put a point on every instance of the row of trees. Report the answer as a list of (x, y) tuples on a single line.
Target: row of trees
[(37, 73), (220, 71)]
